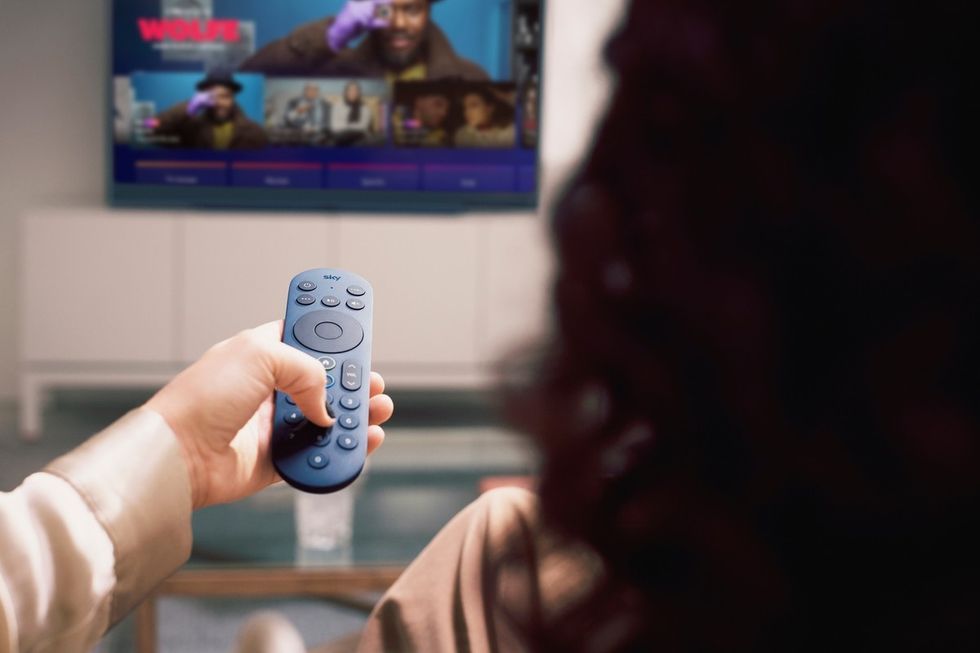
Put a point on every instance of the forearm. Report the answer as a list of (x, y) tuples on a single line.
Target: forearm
[(56, 569), (87, 539)]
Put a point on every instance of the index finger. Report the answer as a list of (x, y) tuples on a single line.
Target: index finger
[(271, 329)]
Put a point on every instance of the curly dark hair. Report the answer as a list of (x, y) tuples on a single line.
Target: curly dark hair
[(760, 402)]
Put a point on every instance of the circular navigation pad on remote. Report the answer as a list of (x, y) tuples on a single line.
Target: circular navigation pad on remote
[(328, 332)]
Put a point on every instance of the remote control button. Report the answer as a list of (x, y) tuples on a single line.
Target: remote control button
[(357, 291), (293, 418), (305, 332), (289, 400), (348, 442), (349, 422), (352, 376), (330, 301), (331, 382), (307, 286), (322, 440), (350, 403), (328, 330), (355, 304), (328, 363), (330, 399), (319, 460), (306, 300)]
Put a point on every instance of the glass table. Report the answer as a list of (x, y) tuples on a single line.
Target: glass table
[(250, 550)]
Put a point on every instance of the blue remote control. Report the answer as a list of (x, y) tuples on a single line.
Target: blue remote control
[(328, 316)]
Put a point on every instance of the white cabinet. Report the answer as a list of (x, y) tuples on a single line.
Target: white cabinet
[(98, 287), (424, 273), (515, 281), (236, 271), (117, 298)]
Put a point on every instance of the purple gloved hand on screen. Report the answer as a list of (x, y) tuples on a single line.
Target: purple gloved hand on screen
[(357, 17), (201, 100)]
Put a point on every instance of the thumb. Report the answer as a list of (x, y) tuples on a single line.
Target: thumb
[(301, 377)]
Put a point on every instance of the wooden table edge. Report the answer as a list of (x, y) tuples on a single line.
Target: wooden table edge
[(279, 581), (268, 582)]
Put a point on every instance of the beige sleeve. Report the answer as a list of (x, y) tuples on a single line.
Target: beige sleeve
[(87, 539), (492, 572)]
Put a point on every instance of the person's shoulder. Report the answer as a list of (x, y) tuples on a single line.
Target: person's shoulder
[(445, 62), (309, 36), (250, 125), (176, 114), (252, 135), (294, 53), (472, 71), (180, 107), (464, 135)]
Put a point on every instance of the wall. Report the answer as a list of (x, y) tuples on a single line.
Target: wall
[(52, 55), (577, 83), (51, 135)]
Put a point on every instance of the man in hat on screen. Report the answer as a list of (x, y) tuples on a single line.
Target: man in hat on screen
[(402, 44), (211, 120)]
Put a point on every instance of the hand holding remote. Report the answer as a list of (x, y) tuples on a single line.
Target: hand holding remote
[(221, 409), (329, 315)]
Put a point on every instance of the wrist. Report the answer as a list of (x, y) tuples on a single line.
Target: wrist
[(187, 446)]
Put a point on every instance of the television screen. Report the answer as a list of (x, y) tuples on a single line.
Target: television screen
[(375, 104)]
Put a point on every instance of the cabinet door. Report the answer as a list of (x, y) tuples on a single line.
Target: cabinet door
[(97, 286), (425, 276), (236, 271), (516, 284)]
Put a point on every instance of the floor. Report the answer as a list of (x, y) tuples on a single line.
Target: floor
[(431, 437)]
